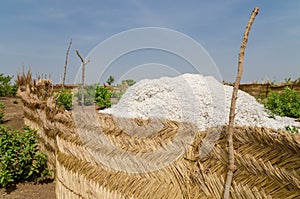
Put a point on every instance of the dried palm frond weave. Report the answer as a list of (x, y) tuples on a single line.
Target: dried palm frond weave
[(267, 160)]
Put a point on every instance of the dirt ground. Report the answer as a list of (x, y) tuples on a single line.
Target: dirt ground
[(13, 116)]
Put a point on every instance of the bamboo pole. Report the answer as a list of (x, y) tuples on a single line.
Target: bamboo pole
[(231, 166)]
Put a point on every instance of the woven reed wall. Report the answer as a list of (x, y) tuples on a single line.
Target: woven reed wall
[(268, 166), (268, 161), (41, 113), (258, 89)]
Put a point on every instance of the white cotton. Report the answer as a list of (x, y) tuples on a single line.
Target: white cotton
[(193, 98)]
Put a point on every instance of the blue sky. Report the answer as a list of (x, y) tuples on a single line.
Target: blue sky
[(35, 33)]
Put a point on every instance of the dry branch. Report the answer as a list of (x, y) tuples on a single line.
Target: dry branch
[(66, 63), (83, 72), (80, 57), (231, 166)]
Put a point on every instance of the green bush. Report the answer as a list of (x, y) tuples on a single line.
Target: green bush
[(14, 89), (2, 107), (15, 101), (291, 129), (286, 103), (129, 82), (89, 95), (6, 89), (117, 94), (64, 98), (20, 159), (103, 97)]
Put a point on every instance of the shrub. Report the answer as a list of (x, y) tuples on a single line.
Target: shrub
[(117, 94), (20, 159), (2, 107), (291, 129), (6, 89), (103, 97), (14, 89), (64, 98), (286, 103), (129, 82), (15, 101), (89, 95)]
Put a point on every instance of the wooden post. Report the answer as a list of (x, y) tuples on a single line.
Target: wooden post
[(82, 82), (267, 90), (66, 63), (231, 166)]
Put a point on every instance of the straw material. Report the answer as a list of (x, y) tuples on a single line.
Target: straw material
[(41, 113), (259, 174), (73, 185), (268, 161), (258, 89)]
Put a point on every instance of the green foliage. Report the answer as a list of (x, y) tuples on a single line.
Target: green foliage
[(64, 98), (14, 89), (15, 102), (6, 89), (103, 97), (110, 80), (117, 94), (286, 103), (20, 159), (129, 82), (288, 80), (291, 129), (89, 95), (271, 115), (262, 96), (2, 107)]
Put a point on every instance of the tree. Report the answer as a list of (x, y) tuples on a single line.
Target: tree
[(110, 80)]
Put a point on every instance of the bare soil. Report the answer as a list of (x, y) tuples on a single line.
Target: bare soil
[(13, 116)]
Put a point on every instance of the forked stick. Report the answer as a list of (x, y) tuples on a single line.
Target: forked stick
[(231, 166), (66, 63), (83, 76)]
